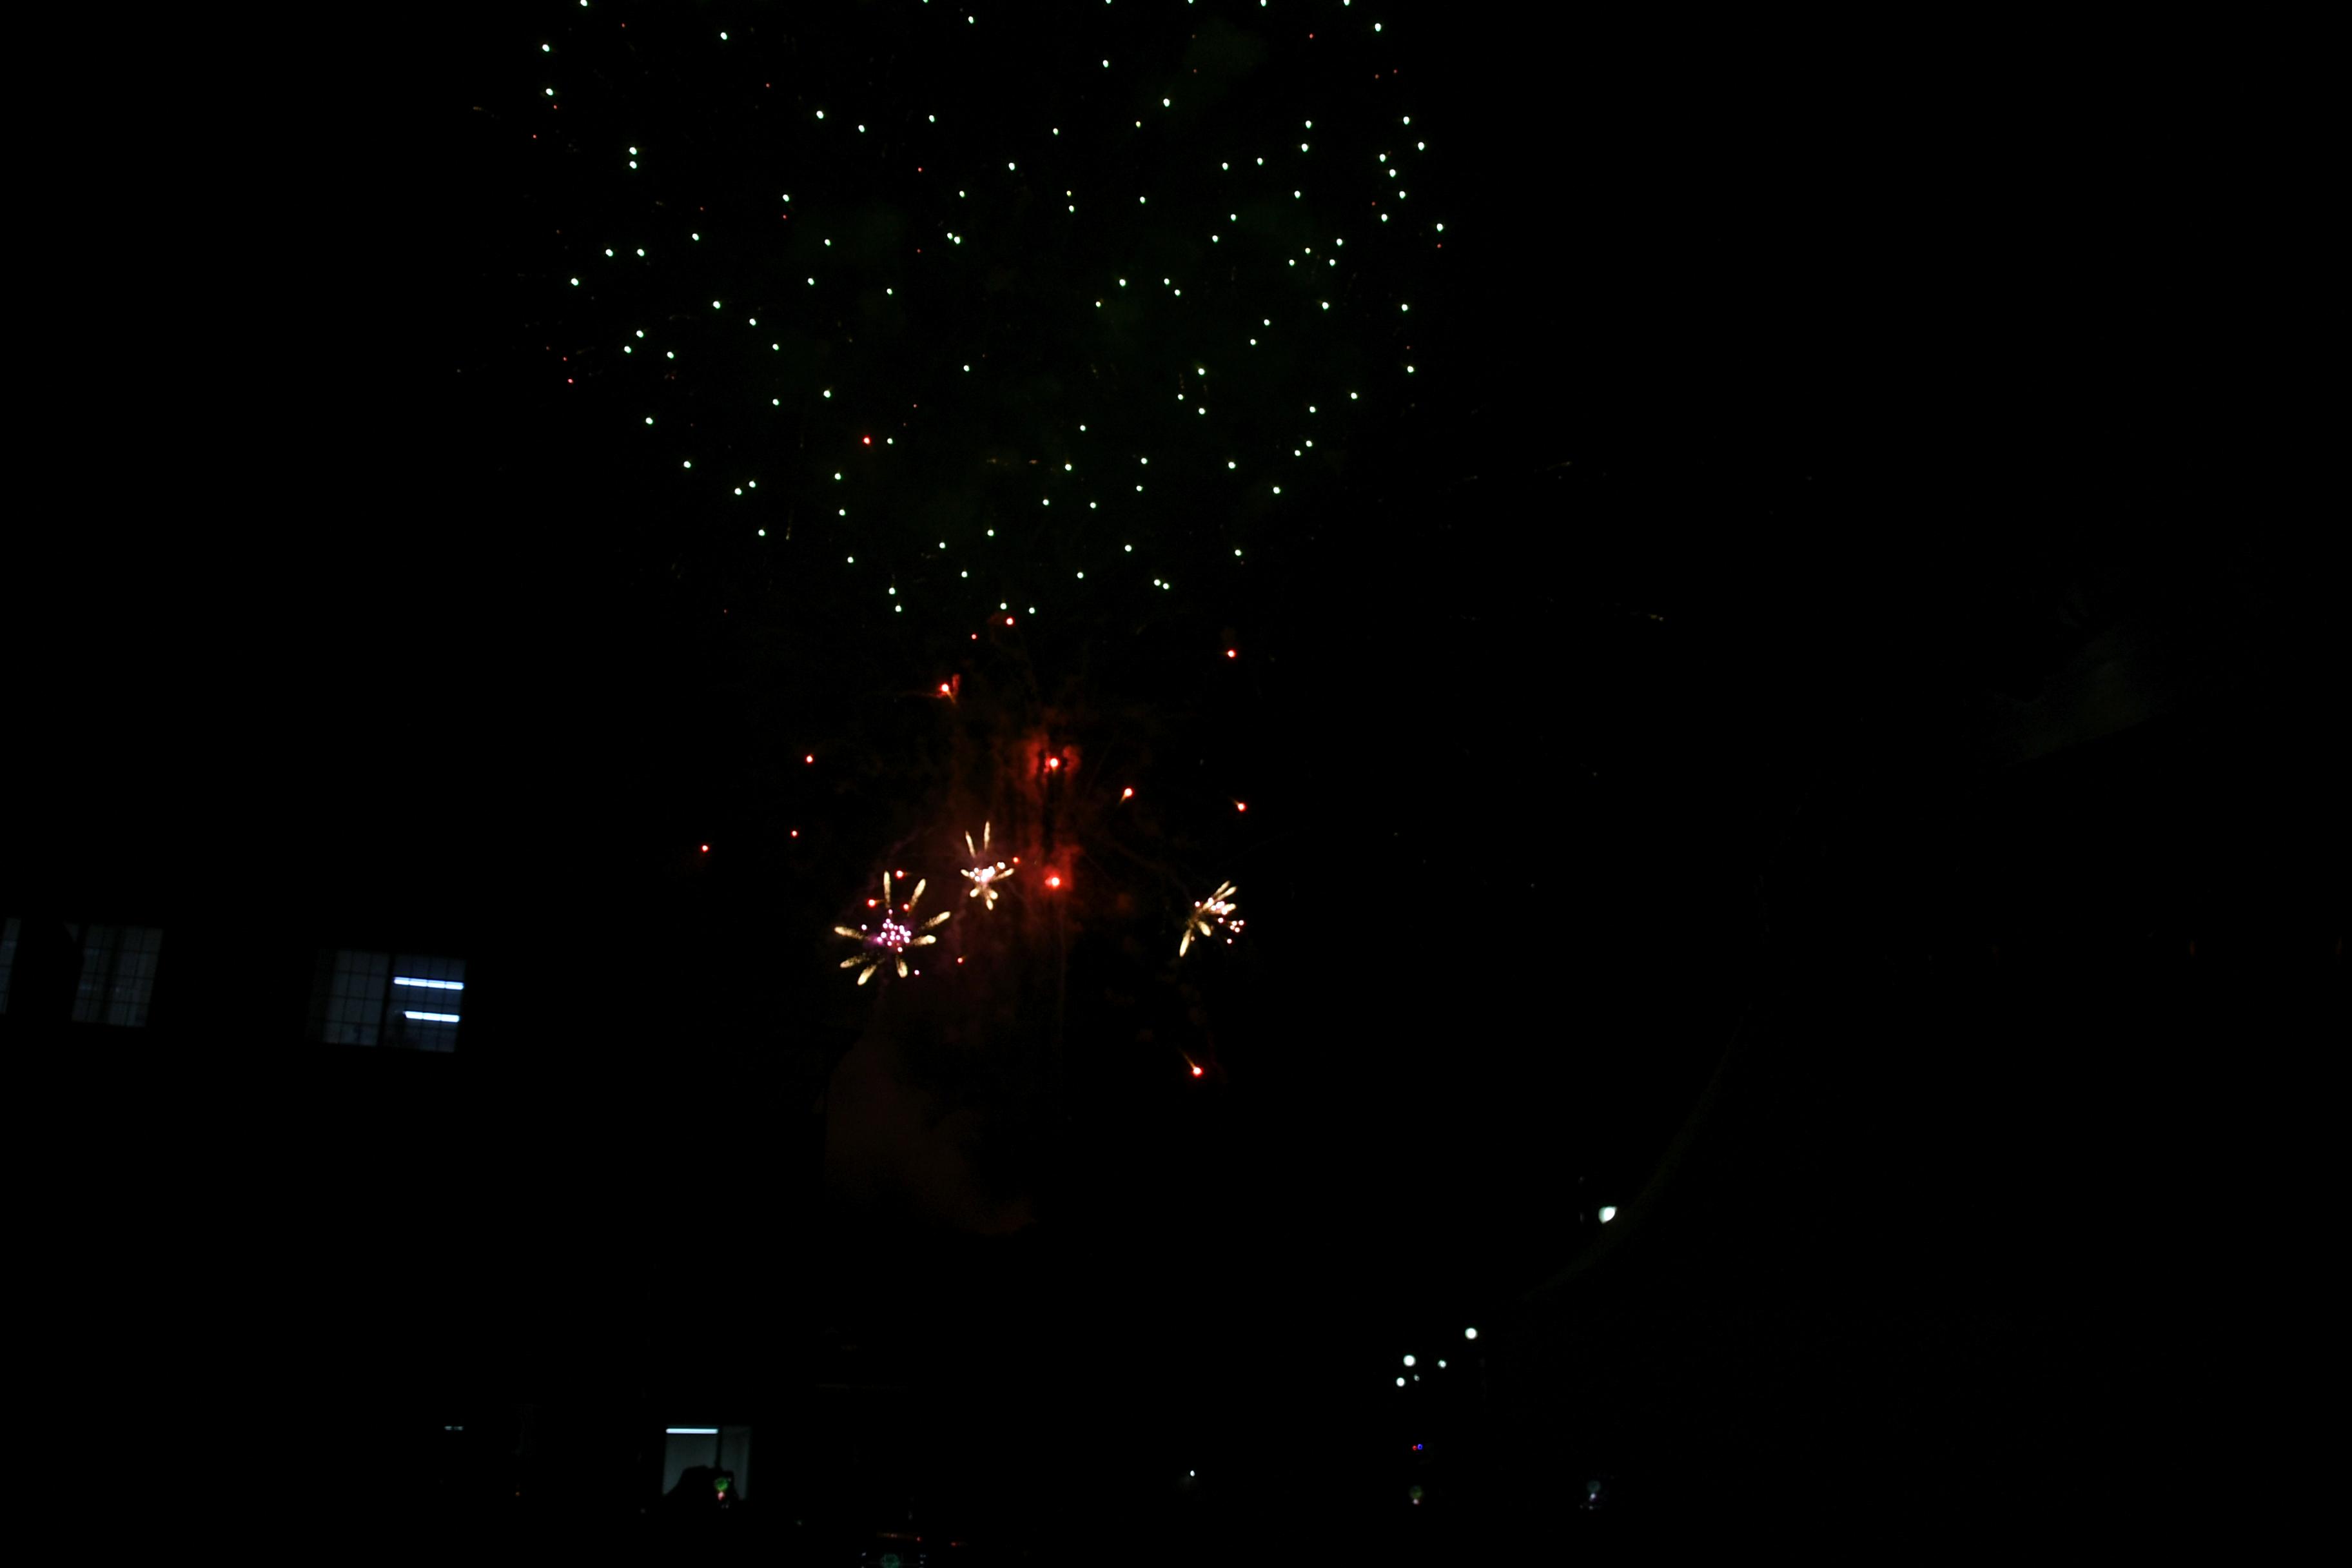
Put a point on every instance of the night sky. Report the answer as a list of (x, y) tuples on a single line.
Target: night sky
[(1714, 595)]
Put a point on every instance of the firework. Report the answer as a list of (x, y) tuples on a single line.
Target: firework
[(888, 945), (1207, 915), (984, 877)]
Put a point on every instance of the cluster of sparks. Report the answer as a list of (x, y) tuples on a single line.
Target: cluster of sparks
[(982, 876), (889, 944), (1211, 912)]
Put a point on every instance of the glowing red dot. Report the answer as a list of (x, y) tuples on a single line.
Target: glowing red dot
[(1230, 654), (810, 758), (1241, 805), (1127, 793), (868, 440), (1196, 1072)]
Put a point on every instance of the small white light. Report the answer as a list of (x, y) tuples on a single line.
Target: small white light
[(1400, 1383), (1408, 1360), (1608, 1213), (691, 1431), (1469, 1333)]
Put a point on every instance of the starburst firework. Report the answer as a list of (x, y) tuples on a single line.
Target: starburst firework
[(1207, 915), (984, 877), (889, 943)]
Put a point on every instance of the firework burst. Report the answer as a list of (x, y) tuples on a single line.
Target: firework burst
[(982, 876), (1211, 912), (889, 943)]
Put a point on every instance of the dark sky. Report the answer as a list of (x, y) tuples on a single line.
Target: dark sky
[(1702, 619)]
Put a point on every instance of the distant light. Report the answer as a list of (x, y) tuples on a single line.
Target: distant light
[(1408, 1360), (1400, 1383), (1469, 1333), (691, 1431), (1608, 1213), (1441, 1363), (1196, 1072)]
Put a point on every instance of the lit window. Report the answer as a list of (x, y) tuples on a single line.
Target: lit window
[(109, 969), (388, 999)]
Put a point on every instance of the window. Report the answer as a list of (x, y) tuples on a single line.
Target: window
[(405, 1000), (726, 1449), (110, 970), (118, 974)]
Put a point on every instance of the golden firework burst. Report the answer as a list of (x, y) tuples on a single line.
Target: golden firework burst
[(982, 876), (1211, 912), (887, 944)]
